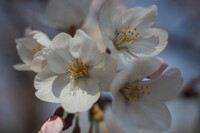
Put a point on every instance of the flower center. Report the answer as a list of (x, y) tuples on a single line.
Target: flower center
[(36, 49), (77, 69), (127, 36), (134, 92)]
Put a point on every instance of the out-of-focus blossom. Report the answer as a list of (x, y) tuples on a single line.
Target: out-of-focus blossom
[(138, 103), (54, 124), (128, 34), (76, 72), (91, 25), (64, 14), (32, 50)]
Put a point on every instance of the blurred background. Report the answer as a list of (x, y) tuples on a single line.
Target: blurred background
[(22, 112)]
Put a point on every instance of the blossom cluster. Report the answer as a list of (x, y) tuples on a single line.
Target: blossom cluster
[(73, 71)]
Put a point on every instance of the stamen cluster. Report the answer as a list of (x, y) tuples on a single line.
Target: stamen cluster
[(126, 36), (77, 69), (36, 49), (134, 92)]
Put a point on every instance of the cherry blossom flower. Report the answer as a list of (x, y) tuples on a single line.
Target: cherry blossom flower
[(138, 103), (65, 13), (76, 72), (32, 50), (128, 33)]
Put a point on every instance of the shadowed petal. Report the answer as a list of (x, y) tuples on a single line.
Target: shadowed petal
[(80, 95)]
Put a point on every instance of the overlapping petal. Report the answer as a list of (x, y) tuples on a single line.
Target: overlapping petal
[(154, 41), (24, 47), (139, 17), (137, 70), (83, 46), (49, 85), (104, 72), (166, 87), (152, 117), (59, 55), (125, 115), (109, 18)]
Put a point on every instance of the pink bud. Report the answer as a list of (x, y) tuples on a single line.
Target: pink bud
[(54, 124)]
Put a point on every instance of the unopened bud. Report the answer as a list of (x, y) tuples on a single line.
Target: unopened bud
[(54, 124)]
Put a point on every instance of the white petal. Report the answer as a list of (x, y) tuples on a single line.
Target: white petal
[(24, 48), (22, 67), (144, 47), (131, 16), (165, 87), (39, 61), (104, 72), (135, 71), (125, 114), (59, 56), (27, 42), (81, 97), (85, 48), (41, 38), (153, 42), (162, 37), (109, 18), (61, 39), (146, 19), (152, 117), (49, 85), (162, 34), (110, 122)]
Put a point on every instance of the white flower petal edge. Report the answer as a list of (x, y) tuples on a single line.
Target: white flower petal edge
[(32, 50), (153, 117), (49, 85), (165, 87), (128, 35), (154, 41), (22, 67), (144, 98), (41, 38)]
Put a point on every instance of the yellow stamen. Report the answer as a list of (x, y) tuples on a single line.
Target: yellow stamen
[(134, 92), (36, 49), (127, 36), (77, 69)]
